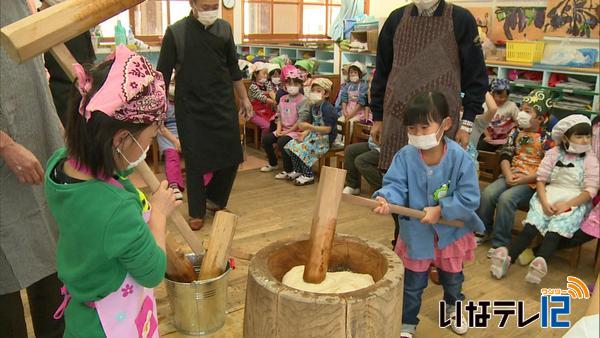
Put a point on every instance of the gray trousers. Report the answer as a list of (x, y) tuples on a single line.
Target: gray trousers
[(359, 161)]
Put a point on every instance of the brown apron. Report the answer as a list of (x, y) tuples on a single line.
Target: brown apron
[(425, 58)]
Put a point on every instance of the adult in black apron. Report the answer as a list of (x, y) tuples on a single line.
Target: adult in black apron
[(205, 58)]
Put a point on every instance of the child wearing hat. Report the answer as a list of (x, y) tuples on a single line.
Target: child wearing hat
[(343, 85), (567, 180), (307, 69), (520, 158), (262, 97), (354, 96), (318, 135), (293, 109), (503, 121)]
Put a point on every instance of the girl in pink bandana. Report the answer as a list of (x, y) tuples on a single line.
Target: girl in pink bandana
[(111, 250)]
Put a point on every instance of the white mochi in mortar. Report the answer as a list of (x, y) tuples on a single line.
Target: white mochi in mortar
[(335, 282)]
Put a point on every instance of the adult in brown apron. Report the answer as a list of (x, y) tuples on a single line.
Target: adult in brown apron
[(433, 48), (425, 59)]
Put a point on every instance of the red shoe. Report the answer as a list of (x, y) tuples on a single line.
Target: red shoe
[(196, 223)]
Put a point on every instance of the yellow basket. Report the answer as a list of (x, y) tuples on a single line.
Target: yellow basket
[(524, 51)]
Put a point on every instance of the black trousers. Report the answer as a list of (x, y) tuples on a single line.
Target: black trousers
[(218, 190), (550, 244), (267, 144), (44, 298)]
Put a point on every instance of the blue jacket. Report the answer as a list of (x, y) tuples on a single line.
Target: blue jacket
[(411, 183)]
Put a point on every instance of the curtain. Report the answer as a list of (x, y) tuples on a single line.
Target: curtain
[(350, 9)]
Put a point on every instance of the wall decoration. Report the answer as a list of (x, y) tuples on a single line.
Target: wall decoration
[(518, 23), (573, 18), (483, 16)]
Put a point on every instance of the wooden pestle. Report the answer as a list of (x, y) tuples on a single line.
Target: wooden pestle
[(217, 253), (396, 209), (322, 232), (179, 268)]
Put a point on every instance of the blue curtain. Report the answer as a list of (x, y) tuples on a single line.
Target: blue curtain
[(350, 9)]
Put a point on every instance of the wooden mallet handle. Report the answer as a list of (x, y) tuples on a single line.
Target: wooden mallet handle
[(329, 195), (184, 229), (43, 30), (396, 209)]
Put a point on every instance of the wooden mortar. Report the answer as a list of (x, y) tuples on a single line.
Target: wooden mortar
[(276, 310)]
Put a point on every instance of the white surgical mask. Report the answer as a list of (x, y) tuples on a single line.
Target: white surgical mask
[(524, 120), (276, 80), (262, 81), (424, 4), (354, 78), (315, 97), (142, 157), (207, 18), (293, 90), (424, 142), (578, 148)]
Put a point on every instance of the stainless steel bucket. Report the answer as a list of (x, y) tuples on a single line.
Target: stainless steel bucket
[(198, 307)]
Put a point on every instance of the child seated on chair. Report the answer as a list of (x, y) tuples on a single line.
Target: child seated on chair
[(519, 161), (355, 95), (262, 97), (317, 136), (293, 109), (503, 121), (170, 147), (343, 85), (567, 180)]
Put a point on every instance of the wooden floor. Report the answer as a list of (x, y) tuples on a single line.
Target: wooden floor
[(271, 210)]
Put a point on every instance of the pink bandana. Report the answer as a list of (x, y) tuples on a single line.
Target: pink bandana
[(133, 91)]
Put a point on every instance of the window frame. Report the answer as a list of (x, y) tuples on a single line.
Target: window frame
[(272, 37)]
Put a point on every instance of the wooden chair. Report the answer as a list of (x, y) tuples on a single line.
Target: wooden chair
[(360, 133), (256, 133), (489, 166)]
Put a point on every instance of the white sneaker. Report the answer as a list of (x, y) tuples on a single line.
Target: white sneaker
[(304, 180), (282, 175), (293, 175), (404, 334), (268, 168), (459, 328), (537, 270), (500, 262), (351, 191), (176, 192)]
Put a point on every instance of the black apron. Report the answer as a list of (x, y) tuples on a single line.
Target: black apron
[(205, 109)]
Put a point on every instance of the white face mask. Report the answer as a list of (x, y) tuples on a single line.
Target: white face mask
[(315, 97), (276, 80), (293, 90), (142, 157), (524, 120), (424, 4), (424, 142), (354, 78), (262, 81), (578, 148), (207, 18)]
